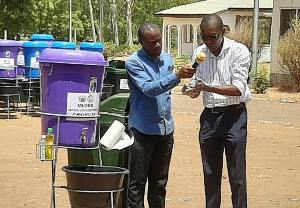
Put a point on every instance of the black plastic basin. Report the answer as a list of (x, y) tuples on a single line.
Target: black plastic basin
[(91, 186)]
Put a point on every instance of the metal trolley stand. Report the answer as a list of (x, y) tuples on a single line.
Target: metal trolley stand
[(54, 161)]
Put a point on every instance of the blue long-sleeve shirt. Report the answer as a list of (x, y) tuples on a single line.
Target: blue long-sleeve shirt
[(150, 86)]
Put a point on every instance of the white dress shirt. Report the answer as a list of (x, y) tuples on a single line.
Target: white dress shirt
[(230, 67)]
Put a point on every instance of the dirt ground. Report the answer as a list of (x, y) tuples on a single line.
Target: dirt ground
[(273, 158)]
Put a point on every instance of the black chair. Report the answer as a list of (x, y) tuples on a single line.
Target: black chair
[(33, 92), (10, 95)]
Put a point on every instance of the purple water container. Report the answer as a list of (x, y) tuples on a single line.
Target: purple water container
[(9, 58), (71, 85)]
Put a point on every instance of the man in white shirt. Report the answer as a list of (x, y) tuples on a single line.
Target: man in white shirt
[(223, 123)]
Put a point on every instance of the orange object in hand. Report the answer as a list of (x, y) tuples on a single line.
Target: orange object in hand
[(199, 59)]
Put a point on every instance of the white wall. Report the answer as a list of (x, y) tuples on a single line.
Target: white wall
[(178, 22), (265, 54), (187, 48), (229, 19)]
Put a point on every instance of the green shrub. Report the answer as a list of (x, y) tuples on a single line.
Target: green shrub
[(260, 80), (111, 50), (181, 61)]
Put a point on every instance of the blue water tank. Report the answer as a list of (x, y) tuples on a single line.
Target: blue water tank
[(91, 46)]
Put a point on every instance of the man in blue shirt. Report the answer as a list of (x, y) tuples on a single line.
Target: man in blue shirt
[(151, 77)]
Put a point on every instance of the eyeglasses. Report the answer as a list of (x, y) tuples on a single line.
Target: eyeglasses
[(209, 37)]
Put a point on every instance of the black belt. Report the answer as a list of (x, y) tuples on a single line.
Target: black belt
[(226, 108)]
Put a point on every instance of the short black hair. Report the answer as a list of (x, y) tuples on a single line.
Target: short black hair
[(212, 20), (145, 27)]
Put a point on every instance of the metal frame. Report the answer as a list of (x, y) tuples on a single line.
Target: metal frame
[(31, 80), (54, 161), (97, 192), (8, 97)]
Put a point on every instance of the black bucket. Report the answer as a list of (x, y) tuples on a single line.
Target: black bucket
[(91, 186)]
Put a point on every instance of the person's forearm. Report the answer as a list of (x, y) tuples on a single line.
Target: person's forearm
[(230, 90)]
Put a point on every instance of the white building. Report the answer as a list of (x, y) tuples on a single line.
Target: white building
[(186, 19)]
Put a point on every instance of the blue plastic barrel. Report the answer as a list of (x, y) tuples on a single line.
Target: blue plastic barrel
[(32, 50), (43, 37), (91, 46), (64, 45)]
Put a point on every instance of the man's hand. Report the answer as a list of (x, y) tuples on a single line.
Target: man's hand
[(194, 88), (193, 94), (185, 72), (190, 91)]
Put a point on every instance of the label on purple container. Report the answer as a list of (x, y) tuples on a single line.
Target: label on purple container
[(7, 63), (21, 59), (7, 54), (93, 85), (83, 104)]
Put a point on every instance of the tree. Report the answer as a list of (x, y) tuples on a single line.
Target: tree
[(14, 17), (101, 24), (130, 9), (114, 21), (92, 20)]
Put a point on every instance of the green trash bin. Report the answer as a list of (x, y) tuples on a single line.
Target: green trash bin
[(26, 86), (116, 75)]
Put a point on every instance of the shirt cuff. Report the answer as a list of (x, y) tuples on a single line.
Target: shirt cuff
[(240, 87), (177, 79)]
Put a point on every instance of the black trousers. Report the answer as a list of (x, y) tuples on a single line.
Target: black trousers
[(150, 159), (218, 132)]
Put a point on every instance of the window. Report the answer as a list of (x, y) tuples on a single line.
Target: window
[(286, 15), (264, 24)]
